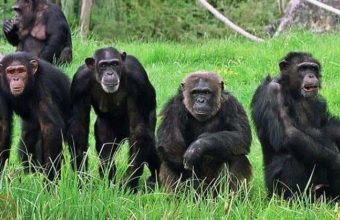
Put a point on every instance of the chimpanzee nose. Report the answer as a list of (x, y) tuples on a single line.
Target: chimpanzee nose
[(15, 78), (109, 73), (311, 76), (200, 100), (16, 8)]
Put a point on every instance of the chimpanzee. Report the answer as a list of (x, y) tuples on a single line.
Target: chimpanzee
[(40, 27), (300, 139), (203, 129), (118, 88), (40, 95)]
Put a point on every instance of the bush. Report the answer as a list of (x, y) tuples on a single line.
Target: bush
[(176, 20)]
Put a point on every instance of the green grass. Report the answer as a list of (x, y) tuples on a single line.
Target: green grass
[(242, 64)]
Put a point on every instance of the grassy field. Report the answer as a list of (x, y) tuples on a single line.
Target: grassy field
[(242, 65)]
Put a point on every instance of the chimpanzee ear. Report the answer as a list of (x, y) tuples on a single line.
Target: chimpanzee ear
[(90, 62), (35, 65), (222, 85), (123, 54), (182, 86), (283, 65)]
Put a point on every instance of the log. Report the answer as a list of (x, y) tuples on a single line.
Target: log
[(227, 22)]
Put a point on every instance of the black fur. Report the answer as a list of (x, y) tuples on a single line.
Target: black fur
[(54, 43), (299, 138), (126, 113), (44, 109), (205, 146)]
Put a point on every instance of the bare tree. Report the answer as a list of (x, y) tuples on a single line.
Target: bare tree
[(57, 2), (227, 22), (85, 16), (68, 8), (281, 4)]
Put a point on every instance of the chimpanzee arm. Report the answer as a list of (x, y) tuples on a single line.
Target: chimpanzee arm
[(11, 32), (141, 102), (223, 145), (273, 122), (171, 144), (57, 33), (332, 131), (52, 126), (6, 116), (78, 131)]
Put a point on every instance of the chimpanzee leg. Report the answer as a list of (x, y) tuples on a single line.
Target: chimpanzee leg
[(169, 178), (30, 133), (107, 142), (287, 176), (5, 133), (52, 140), (240, 171), (334, 179), (154, 166)]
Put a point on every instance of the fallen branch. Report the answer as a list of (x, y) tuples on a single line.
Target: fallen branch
[(324, 6), (227, 22)]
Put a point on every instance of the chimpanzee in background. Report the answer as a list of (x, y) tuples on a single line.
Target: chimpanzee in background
[(300, 139), (203, 128), (39, 94), (41, 28), (118, 88)]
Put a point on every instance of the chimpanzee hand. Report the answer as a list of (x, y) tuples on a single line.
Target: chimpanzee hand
[(9, 26), (193, 154), (336, 164)]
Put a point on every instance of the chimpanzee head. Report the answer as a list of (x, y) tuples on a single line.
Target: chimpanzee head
[(17, 72), (24, 12), (202, 94), (108, 65), (300, 73)]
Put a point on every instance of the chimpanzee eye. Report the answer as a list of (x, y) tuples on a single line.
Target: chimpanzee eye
[(115, 63), (10, 71), (21, 70)]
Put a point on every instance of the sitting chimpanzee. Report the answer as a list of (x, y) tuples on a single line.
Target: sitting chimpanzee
[(41, 28), (118, 88), (203, 129), (300, 139), (39, 94)]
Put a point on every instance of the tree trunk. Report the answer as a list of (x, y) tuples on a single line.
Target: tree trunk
[(318, 16), (85, 16), (57, 2), (68, 9)]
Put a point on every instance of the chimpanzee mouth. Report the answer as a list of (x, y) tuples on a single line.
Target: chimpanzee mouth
[(17, 91), (311, 88), (201, 112), (110, 84)]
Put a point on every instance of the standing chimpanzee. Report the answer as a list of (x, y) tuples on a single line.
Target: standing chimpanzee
[(300, 139), (118, 88), (41, 28), (203, 128), (39, 94)]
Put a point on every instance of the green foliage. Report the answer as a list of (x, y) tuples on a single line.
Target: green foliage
[(242, 64), (176, 20)]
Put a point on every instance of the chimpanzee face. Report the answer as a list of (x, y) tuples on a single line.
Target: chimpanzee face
[(24, 10), (17, 73), (302, 73), (310, 75), (202, 95), (108, 66)]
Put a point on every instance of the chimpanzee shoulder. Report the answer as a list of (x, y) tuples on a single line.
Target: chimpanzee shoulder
[(82, 81), (139, 85)]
